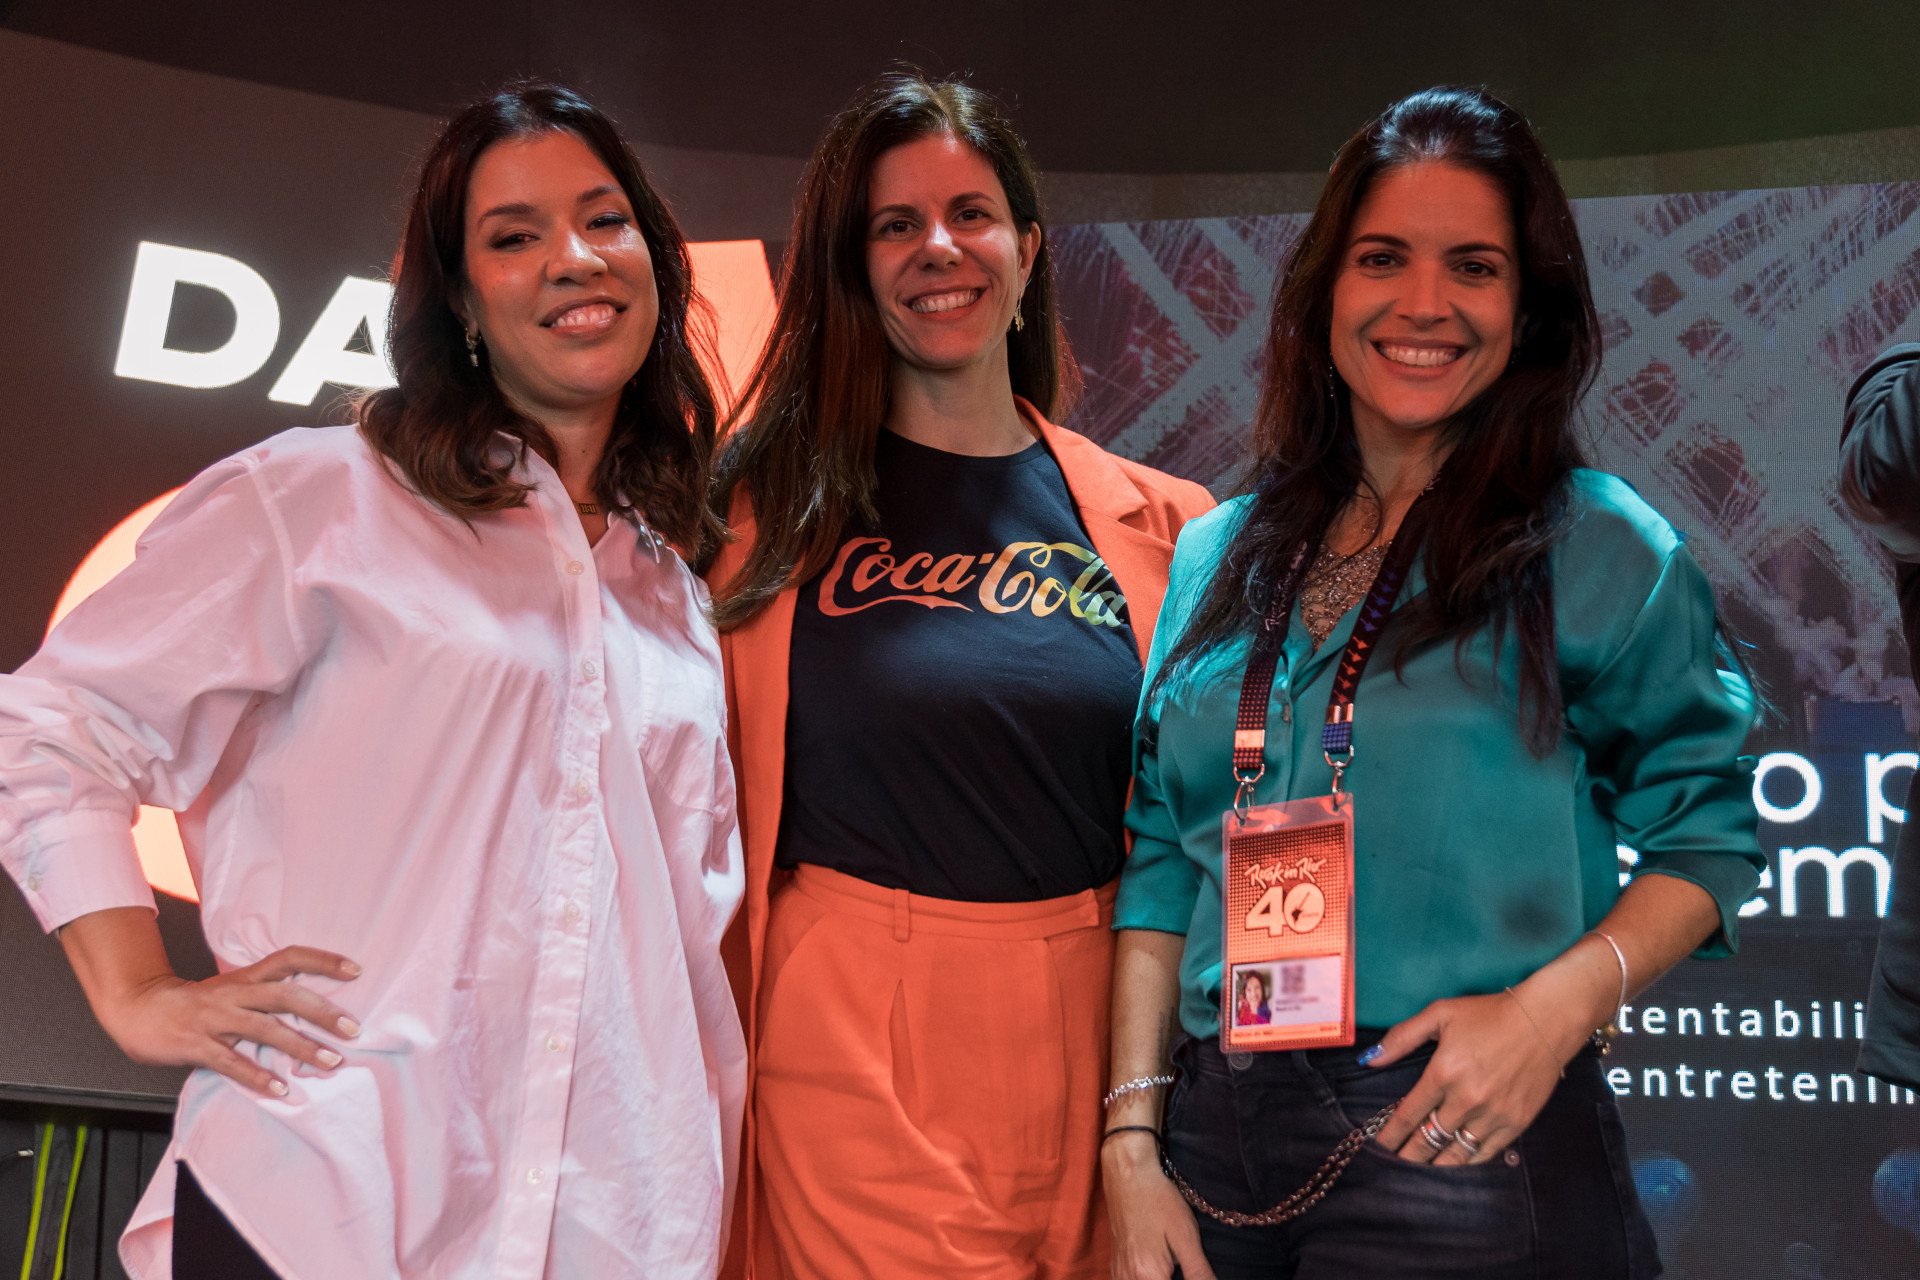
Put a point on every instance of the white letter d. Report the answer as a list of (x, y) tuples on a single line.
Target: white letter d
[(157, 271)]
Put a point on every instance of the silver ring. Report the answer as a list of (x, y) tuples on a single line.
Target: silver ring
[(1464, 1139), (1435, 1134)]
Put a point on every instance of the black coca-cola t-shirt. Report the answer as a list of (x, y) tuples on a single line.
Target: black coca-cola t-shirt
[(962, 688)]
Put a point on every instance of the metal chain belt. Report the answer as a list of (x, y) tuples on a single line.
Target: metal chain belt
[(1300, 1201)]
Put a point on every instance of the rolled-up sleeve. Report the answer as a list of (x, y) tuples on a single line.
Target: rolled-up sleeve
[(136, 694), (1664, 726), (1160, 884)]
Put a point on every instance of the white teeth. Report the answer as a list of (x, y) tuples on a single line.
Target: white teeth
[(580, 317), (944, 301), (1419, 357)]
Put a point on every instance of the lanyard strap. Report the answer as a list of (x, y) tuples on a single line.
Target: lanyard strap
[(1256, 687)]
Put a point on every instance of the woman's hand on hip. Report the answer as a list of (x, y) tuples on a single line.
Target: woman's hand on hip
[(163, 1020), (1493, 1067), (172, 1022), (1153, 1229)]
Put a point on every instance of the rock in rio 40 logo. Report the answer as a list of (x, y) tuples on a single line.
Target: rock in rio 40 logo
[(732, 274)]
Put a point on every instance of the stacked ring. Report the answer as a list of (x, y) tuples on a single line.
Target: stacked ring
[(1466, 1141), (1435, 1134)]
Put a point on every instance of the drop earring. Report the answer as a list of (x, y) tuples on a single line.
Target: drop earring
[(473, 347), (1018, 322)]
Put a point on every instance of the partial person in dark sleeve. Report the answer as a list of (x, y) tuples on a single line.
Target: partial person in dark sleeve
[(1880, 483)]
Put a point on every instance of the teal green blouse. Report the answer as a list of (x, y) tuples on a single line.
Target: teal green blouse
[(1476, 862)]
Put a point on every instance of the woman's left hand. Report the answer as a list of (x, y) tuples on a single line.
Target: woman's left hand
[(1493, 1067)]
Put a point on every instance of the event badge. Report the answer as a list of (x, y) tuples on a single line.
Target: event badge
[(1287, 923), (1287, 868)]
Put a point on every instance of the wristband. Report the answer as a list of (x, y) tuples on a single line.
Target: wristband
[(1131, 1128)]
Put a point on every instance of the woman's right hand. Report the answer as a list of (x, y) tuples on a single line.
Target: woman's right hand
[(163, 1020), (1153, 1229)]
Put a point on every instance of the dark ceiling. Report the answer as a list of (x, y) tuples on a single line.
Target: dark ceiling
[(1121, 87)]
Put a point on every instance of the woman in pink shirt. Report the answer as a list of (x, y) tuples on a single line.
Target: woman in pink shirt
[(437, 706)]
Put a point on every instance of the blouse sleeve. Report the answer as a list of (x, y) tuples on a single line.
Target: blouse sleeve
[(1663, 725), (1160, 885), (135, 695)]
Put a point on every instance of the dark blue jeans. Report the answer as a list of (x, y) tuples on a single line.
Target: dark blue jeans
[(1247, 1131)]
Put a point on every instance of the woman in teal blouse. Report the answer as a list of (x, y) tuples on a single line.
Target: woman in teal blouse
[(1548, 690)]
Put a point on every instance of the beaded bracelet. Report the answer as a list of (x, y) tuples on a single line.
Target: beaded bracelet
[(1134, 1086)]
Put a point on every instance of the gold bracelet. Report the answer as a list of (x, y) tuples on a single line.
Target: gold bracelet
[(1621, 956)]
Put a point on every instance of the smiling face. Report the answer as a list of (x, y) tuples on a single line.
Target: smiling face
[(945, 259), (558, 278), (1254, 991), (1425, 305)]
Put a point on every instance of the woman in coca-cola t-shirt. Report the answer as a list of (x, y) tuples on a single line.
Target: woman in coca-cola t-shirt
[(934, 620)]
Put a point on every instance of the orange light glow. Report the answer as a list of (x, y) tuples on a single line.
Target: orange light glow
[(731, 274), (155, 834)]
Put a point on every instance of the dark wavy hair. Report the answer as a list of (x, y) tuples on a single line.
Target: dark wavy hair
[(1499, 503), (802, 443), (438, 424)]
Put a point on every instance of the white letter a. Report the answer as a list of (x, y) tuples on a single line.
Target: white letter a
[(323, 355)]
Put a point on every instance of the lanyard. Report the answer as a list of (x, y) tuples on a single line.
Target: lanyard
[(1256, 687)]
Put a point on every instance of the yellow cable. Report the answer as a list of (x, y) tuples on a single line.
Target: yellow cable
[(39, 1198), (73, 1187)]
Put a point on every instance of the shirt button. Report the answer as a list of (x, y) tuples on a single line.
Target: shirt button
[(33, 884), (588, 669), (555, 1044), (582, 792), (575, 568), (536, 1176), (572, 912)]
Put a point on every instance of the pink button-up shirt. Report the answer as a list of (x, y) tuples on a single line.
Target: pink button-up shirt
[(487, 762)]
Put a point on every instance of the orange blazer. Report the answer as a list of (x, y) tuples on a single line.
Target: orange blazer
[(1132, 514)]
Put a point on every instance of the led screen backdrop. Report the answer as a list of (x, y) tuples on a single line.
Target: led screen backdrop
[(1734, 323)]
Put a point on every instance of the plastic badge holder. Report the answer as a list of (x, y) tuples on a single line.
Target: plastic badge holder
[(1287, 926)]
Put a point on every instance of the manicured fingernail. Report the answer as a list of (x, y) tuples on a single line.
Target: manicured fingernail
[(1367, 1059), (348, 1027), (349, 968), (328, 1058), (278, 1088)]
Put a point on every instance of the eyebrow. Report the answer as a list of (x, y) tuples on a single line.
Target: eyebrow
[(1395, 242), (521, 209), (963, 198)]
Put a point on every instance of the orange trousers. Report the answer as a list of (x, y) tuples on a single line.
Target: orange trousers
[(929, 1081)]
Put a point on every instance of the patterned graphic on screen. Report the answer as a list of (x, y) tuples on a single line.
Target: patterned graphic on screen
[(1733, 323)]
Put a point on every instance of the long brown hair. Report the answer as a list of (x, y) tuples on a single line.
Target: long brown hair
[(437, 426), (1499, 503), (802, 449)]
